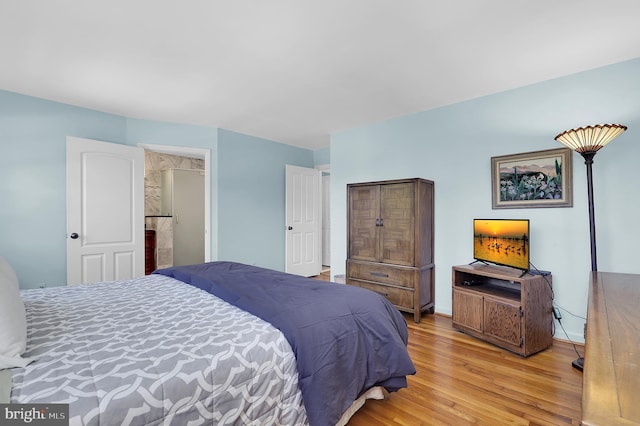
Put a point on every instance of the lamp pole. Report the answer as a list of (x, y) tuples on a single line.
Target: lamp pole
[(588, 160)]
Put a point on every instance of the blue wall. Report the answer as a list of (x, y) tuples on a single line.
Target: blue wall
[(33, 136), (321, 157), (453, 146), (252, 197)]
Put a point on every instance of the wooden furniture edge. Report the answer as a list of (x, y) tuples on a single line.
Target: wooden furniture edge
[(602, 401)]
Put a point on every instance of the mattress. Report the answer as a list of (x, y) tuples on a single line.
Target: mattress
[(152, 351)]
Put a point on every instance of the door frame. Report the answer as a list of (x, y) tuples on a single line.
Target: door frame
[(204, 154), (324, 168)]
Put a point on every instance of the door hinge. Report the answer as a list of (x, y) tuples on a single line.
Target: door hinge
[(521, 312), (521, 341)]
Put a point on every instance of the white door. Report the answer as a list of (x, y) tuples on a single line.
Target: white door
[(105, 211), (303, 236)]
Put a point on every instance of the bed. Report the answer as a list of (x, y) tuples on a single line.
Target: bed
[(217, 343)]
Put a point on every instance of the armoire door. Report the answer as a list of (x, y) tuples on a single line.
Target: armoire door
[(397, 227), (364, 217)]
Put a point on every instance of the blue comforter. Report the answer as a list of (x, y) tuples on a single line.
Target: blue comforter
[(345, 339)]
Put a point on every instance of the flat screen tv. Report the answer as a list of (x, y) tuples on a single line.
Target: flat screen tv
[(502, 242)]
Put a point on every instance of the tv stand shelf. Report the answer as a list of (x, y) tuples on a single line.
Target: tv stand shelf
[(497, 291), (501, 306)]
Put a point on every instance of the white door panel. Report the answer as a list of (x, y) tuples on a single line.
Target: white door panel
[(303, 222), (105, 211)]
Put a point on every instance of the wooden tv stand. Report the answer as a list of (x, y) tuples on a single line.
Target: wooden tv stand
[(502, 306)]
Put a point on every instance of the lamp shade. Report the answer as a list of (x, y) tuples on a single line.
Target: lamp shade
[(590, 138)]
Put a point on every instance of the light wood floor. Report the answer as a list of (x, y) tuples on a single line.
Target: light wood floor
[(461, 380)]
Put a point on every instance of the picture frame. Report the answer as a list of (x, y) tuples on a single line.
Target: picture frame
[(532, 180)]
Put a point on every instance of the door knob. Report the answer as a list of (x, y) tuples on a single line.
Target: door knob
[(289, 228), (74, 236)]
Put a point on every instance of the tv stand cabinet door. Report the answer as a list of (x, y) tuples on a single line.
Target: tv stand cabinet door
[(503, 322), (467, 310)]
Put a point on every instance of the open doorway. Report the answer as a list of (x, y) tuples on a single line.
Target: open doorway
[(161, 227)]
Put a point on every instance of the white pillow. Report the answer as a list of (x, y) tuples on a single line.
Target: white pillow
[(13, 321)]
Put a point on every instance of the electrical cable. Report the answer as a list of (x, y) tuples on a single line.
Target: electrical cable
[(573, 315), (557, 317), (545, 278), (575, 348)]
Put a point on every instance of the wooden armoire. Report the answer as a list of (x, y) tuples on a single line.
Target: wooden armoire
[(390, 241)]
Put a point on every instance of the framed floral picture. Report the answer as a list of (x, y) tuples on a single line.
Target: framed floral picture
[(532, 180)]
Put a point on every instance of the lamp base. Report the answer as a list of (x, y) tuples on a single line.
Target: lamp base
[(578, 364)]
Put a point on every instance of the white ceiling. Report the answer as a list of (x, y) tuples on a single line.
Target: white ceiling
[(295, 71)]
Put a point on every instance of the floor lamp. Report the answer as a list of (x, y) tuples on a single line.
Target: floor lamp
[(587, 141)]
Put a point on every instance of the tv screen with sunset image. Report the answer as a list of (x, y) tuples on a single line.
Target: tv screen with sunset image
[(502, 241)]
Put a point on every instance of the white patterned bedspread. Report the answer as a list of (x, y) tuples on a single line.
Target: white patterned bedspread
[(153, 351)]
